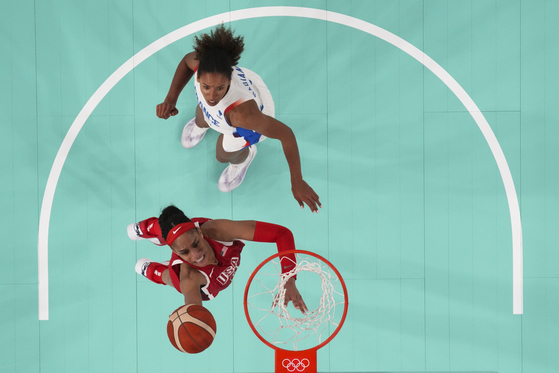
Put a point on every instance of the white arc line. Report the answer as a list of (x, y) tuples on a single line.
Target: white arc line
[(237, 15)]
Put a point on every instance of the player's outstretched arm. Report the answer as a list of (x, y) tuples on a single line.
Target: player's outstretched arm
[(190, 282), (250, 230), (258, 231), (229, 230), (247, 115), (183, 74)]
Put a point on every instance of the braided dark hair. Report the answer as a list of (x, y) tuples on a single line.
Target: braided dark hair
[(171, 216), (218, 51)]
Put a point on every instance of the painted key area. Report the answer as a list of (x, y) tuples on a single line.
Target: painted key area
[(415, 214)]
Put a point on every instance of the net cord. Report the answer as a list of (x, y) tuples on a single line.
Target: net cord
[(314, 322)]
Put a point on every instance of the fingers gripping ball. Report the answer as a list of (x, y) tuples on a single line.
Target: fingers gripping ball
[(191, 328)]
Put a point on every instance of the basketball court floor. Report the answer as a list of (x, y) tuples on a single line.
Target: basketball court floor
[(427, 127)]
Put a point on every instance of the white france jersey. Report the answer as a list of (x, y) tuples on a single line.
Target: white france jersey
[(245, 85)]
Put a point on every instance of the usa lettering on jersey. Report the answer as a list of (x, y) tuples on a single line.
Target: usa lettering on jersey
[(227, 274)]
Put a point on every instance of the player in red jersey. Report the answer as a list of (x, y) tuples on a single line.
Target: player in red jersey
[(207, 253)]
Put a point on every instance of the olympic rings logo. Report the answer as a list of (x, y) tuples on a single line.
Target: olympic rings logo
[(295, 364)]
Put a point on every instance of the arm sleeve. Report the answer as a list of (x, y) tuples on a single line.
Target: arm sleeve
[(266, 232)]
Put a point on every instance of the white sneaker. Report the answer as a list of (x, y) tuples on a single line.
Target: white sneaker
[(135, 234), (192, 134), (143, 264), (234, 174)]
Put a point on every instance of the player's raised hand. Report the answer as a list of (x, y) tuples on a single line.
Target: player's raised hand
[(303, 193), (293, 295), (166, 109)]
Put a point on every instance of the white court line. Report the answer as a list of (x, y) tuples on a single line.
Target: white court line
[(280, 11)]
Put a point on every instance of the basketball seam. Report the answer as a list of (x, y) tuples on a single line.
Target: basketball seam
[(191, 337), (178, 341), (202, 325)]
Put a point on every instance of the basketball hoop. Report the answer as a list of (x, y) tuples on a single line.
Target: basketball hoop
[(295, 336)]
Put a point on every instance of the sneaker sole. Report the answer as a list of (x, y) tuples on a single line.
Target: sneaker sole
[(184, 143), (134, 237), (139, 264), (132, 232), (226, 190)]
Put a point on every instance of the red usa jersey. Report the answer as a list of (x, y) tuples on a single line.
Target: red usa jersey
[(218, 277)]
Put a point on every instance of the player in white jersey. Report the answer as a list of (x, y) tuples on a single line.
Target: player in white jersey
[(234, 101)]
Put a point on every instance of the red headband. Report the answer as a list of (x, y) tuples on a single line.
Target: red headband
[(177, 230)]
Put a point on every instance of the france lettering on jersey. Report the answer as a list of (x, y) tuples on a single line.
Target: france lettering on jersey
[(242, 89)]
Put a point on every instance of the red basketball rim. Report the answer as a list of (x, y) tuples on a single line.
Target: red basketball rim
[(249, 282)]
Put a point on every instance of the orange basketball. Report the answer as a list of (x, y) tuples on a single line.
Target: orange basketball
[(191, 328)]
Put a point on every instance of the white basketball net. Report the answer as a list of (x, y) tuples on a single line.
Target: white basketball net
[(272, 318)]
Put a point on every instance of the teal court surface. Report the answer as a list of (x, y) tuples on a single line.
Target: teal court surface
[(429, 129)]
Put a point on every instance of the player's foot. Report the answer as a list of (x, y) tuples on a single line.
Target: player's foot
[(135, 233), (151, 270), (234, 174), (192, 134)]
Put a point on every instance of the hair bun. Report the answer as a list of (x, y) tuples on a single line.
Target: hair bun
[(218, 51), (170, 217)]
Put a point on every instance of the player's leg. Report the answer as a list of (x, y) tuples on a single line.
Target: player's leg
[(154, 271), (234, 151), (194, 131), (199, 118), (147, 229), (166, 277), (234, 157)]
